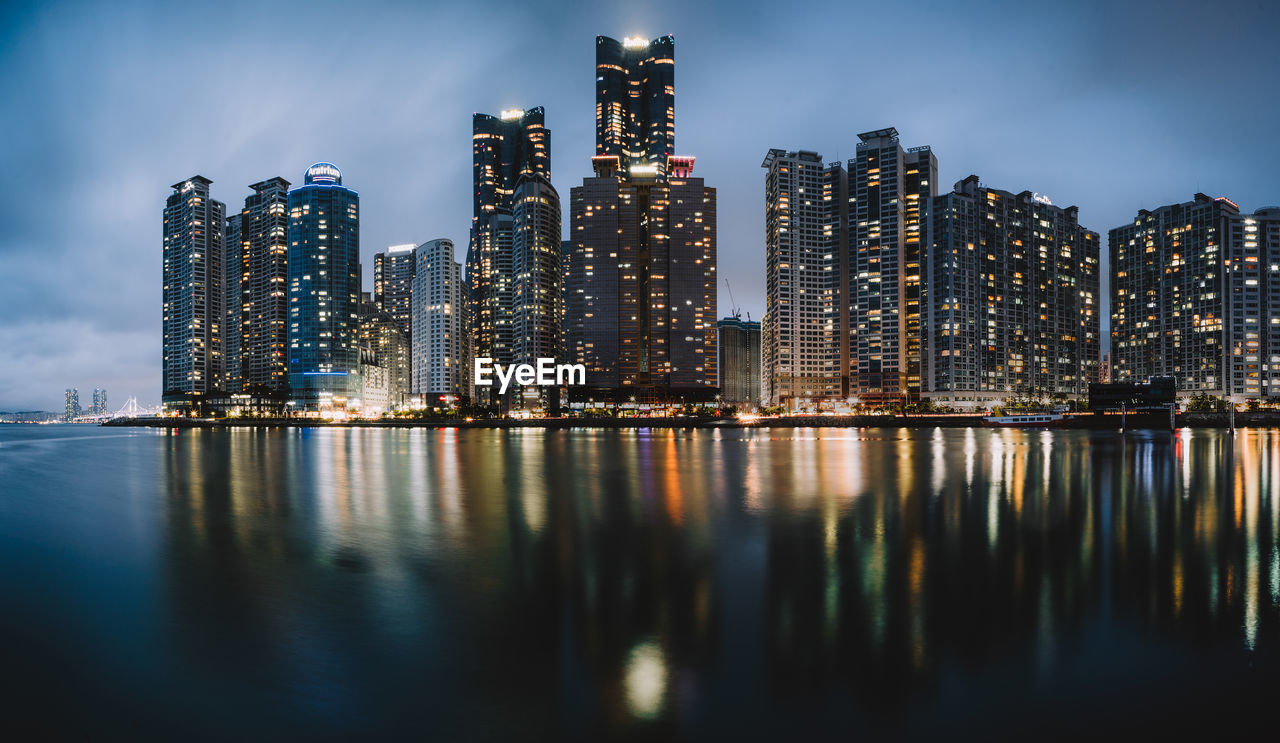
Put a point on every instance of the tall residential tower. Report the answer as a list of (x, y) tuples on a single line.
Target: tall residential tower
[(1009, 300), (440, 358), (257, 276), (1195, 294), (887, 186), (805, 349), (193, 296)]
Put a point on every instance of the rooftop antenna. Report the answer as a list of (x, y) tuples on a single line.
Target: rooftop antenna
[(733, 304)]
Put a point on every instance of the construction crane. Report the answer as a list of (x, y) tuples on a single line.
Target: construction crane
[(733, 304)]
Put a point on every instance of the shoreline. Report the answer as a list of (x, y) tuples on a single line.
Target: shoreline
[(1158, 421)]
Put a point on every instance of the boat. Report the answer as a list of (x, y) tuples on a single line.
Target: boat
[(1024, 420)]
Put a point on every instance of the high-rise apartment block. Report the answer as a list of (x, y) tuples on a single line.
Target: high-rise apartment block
[(257, 290), (1009, 298), (193, 295), (806, 222), (324, 290), (71, 409), (739, 360), (233, 275), (99, 401), (1196, 295), (880, 292), (393, 284), (887, 185), (641, 270), (387, 351), (440, 345)]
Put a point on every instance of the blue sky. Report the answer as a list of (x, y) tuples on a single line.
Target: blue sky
[(1109, 106)]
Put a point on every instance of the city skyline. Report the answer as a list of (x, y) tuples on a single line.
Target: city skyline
[(1114, 86)]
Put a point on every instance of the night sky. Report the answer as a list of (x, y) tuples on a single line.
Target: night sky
[(104, 105)]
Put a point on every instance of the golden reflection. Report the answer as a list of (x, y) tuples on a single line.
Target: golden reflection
[(637, 558)]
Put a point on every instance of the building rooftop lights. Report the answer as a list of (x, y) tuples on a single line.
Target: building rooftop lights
[(634, 42), (511, 113)]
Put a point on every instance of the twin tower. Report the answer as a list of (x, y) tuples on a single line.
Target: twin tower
[(631, 293)]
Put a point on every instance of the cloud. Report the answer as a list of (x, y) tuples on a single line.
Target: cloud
[(42, 358)]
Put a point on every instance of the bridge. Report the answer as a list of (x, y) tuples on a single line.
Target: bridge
[(131, 409)]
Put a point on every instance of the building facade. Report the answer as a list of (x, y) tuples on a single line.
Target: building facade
[(324, 290), (513, 266), (393, 284), (887, 185), (640, 274), (1252, 273), (440, 349), (636, 102), (233, 274), (1009, 298), (257, 281), (1194, 296), (99, 401), (805, 354), (193, 295), (538, 272), (71, 404), (383, 346), (739, 361)]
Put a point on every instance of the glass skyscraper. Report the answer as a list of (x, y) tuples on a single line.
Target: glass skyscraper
[(324, 290), (636, 102), (514, 277), (641, 268)]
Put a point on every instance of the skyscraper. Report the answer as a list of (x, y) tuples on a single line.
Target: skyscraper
[(440, 363), (233, 278), (324, 290), (805, 348), (393, 284), (514, 280), (636, 102), (537, 269), (99, 401), (385, 346), (739, 362), (193, 296), (257, 278), (886, 187), (72, 404), (1010, 298), (1195, 293), (1252, 299), (640, 273)]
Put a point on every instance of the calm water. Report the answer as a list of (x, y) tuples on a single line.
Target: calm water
[(597, 585)]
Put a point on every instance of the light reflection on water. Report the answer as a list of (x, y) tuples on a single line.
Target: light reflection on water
[(603, 584)]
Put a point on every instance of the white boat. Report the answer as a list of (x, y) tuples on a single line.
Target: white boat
[(1024, 420)]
